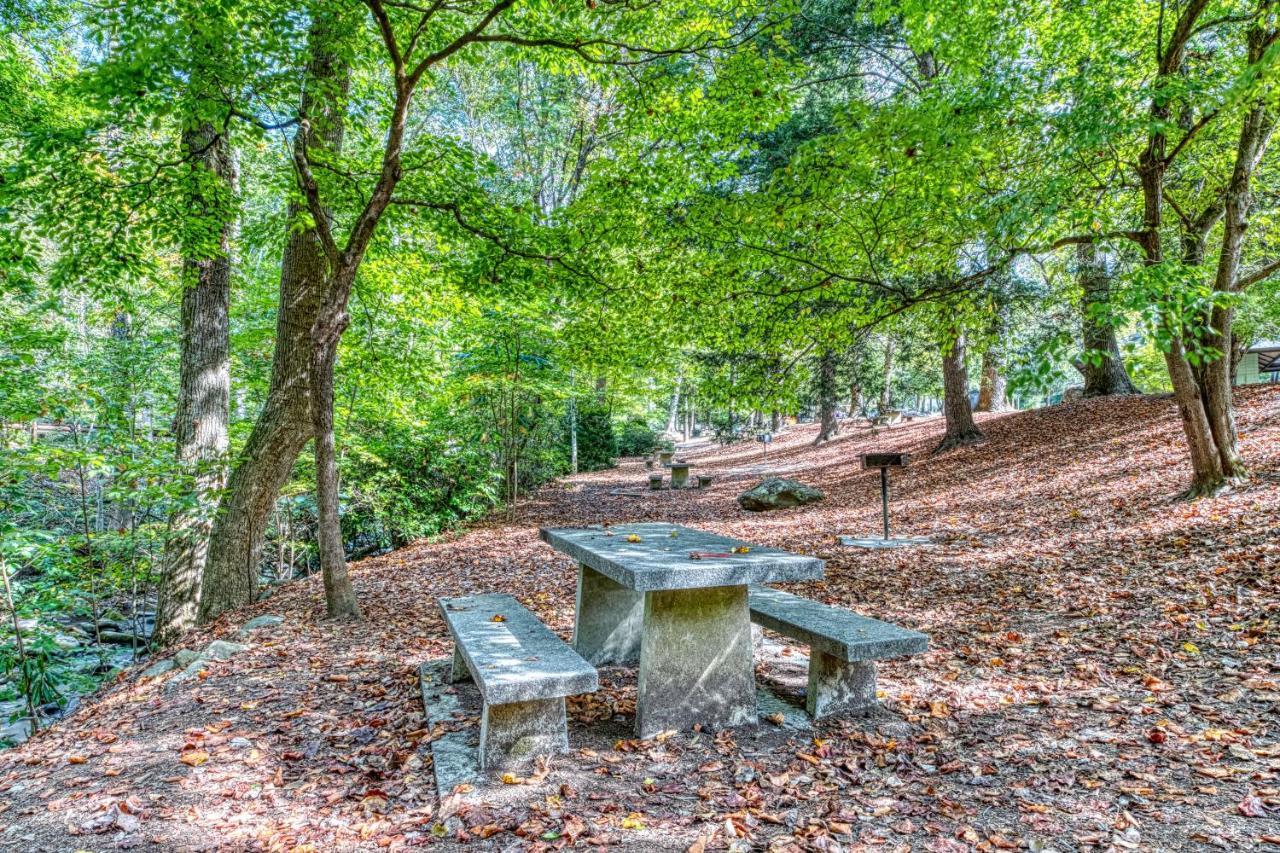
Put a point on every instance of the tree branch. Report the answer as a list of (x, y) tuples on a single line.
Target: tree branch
[(1258, 274)]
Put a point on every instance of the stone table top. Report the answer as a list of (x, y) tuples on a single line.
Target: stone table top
[(660, 559)]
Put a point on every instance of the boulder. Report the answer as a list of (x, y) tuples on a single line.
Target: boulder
[(185, 657), (158, 668), (223, 650), (16, 732), (267, 620), (777, 493)]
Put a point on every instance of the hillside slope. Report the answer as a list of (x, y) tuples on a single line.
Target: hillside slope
[(1104, 670)]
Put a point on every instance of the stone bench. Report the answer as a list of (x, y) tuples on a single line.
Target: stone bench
[(523, 672), (842, 647)]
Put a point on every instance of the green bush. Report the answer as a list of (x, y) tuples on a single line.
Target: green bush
[(637, 438), (597, 446)]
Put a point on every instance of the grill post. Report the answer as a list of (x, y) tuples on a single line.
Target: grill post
[(884, 499)]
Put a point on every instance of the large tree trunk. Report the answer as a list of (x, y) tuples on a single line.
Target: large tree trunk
[(340, 598), (1204, 396), (961, 429), (1102, 366), (284, 424), (1255, 134), (827, 391), (204, 386)]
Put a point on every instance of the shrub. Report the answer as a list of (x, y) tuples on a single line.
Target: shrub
[(637, 438), (597, 446)]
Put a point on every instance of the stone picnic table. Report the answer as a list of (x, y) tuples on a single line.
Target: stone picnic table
[(679, 474), (642, 597)]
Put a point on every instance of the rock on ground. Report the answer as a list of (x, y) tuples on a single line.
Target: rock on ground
[(777, 493)]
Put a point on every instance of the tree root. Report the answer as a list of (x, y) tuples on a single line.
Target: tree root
[(968, 438)]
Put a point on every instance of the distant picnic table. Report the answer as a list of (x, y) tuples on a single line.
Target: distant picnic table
[(676, 600)]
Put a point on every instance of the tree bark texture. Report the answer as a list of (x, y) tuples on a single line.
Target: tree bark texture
[(1102, 367), (339, 596), (961, 429), (204, 386), (827, 391), (886, 390), (284, 424), (991, 389), (1203, 393)]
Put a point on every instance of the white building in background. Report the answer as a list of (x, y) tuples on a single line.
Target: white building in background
[(1260, 363)]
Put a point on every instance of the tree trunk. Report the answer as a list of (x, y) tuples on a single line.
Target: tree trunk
[(991, 390), (1101, 365), (573, 435), (1204, 400), (1255, 134), (284, 424), (886, 390), (827, 397), (673, 409), (204, 386), (961, 429), (340, 598)]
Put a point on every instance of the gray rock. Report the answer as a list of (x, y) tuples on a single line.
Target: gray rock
[(223, 650), (16, 732), (777, 493), (121, 638), (895, 729), (655, 556), (159, 668), (67, 641), (267, 620), (191, 672), (185, 657)]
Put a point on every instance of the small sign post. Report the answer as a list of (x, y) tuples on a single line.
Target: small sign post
[(765, 438), (884, 461)]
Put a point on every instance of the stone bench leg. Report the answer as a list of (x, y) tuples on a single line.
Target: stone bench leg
[(608, 621), (839, 687), (513, 734), (458, 670)]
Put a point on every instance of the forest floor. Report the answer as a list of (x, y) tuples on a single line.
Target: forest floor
[(1104, 673)]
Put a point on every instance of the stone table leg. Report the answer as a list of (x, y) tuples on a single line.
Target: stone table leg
[(695, 666), (514, 733), (607, 620), (836, 686)]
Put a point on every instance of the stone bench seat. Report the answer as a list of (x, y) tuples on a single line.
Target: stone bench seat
[(523, 672), (842, 647)]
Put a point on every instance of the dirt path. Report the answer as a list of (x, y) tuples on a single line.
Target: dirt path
[(1105, 674)]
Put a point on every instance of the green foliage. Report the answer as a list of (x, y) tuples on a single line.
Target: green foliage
[(637, 438), (597, 445)]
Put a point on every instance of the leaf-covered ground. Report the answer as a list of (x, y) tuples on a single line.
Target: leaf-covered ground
[(1104, 674)]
